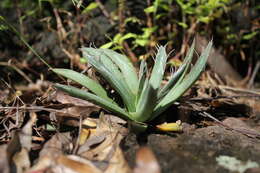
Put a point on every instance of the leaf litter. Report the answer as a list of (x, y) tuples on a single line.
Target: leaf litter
[(80, 142), (95, 149)]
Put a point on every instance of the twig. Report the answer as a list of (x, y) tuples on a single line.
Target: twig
[(223, 97), (14, 91), (21, 37), (105, 12), (79, 133), (243, 131), (121, 10), (241, 90), (77, 3), (130, 53), (17, 69), (37, 108), (186, 38), (251, 81), (19, 16), (149, 22), (62, 34)]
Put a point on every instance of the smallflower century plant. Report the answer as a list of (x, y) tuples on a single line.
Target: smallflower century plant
[(143, 95)]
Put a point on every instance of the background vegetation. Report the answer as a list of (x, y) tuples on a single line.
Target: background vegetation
[(56, 29)]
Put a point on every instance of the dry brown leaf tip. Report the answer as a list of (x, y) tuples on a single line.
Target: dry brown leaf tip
[(146, 161)]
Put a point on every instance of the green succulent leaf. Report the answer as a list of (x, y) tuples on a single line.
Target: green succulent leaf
[(142, 77), (110, 106), (187, 60), (85, 81), (143, 97), (113, 76), (123, 63), (102, 58), (126, 68), (142, 70), (174, 78), (159, 68), (187, 82), (180, 74), (146, 104)]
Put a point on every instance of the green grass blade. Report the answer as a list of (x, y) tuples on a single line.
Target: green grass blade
[(187, 82), (110, 106), (114, 80), (85, 81), (159, 68), (21, 37)]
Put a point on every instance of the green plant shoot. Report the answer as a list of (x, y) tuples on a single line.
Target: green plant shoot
[(143, 95)]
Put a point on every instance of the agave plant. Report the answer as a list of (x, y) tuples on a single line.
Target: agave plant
[(143, 95)]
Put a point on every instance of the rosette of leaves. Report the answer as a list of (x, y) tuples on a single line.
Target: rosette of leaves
[(143, 95)]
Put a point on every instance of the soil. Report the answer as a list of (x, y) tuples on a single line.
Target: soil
[(196, 150)]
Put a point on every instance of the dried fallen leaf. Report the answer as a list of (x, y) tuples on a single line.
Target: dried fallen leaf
[(67, 99), (70, 108), (4, 163), (26, 134), (117, 162), (103, 146), (77, 164), (22, 161), (146, 161), (19, 147), (88, 127), (55, 147), (92, 141), (59, 143)]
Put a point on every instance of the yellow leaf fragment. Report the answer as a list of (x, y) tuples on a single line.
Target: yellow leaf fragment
[(172, 127), (88, 127)]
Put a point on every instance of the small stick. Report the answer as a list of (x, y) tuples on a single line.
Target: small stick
[(105, 12), (243, 131), (17, 70), (37, 108), (251, 81)]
